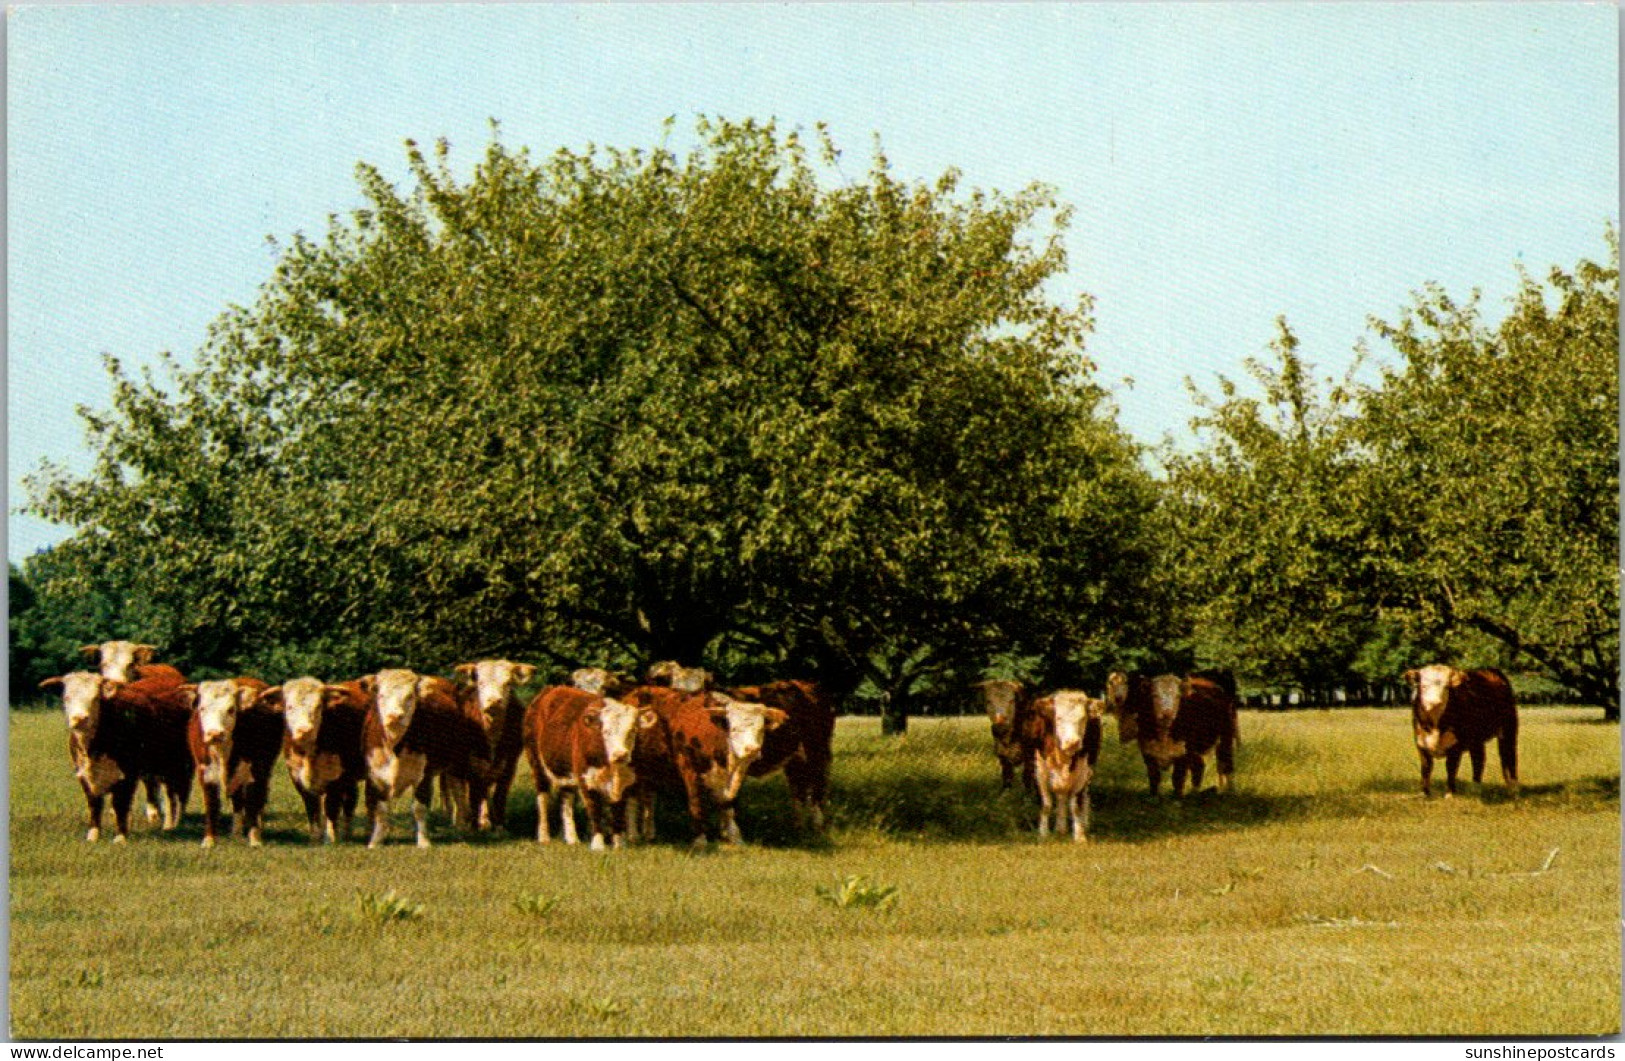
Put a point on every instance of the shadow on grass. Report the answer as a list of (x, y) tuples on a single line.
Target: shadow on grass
[(1598, 791)]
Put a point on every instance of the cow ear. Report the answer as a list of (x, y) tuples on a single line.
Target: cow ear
[(1410, 677), (1457, 677), (591, 718), (90, 650), (110, 688), (369, 684), (51, 683), (143, 653), (717, 712), (523, 673), (271, 698), (187, 694), (647, 718), (465, 670), (426, 685), (773, 718), (333, 694)]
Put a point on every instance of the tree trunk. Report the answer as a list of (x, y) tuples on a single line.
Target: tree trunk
[(893, 714)]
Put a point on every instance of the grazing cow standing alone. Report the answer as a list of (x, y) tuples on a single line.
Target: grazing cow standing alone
[(703, 747), (1455, 711), (1177, 721), (1007, 705), (235, 739), (119, 733), (418, 729), (321, 743), (582, 744), (800, 746), (492, 698), (1068, 747)]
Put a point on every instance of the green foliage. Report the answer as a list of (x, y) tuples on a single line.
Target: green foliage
[(387, 908), (621, 405), (536, 904), (858, 892)]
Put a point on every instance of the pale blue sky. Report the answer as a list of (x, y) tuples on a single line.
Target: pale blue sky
[(1227, 163)]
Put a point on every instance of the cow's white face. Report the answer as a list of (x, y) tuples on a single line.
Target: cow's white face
[(1000, 698), (1165, 696), (748, 726), (494, 683), (218, 704), (397, 700), (1071, 716), (595, 680), (119, 659), (82, 695), (1433, 685), (302, 701), (619, 723)]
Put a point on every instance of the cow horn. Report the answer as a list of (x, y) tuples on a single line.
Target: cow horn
[(90, 650)]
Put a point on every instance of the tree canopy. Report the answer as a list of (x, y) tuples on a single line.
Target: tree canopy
[(623, 405)]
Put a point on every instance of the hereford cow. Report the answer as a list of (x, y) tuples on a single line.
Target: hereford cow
[(235, 740), (702, 747), (800, 746), (1177, 721), (1068, 726), (1455, 711), (321, 744), (119, 733), (491, 696), (674, 675), (599, 682), (417, 729), (126, 661), (582, 745), (1007, 705)]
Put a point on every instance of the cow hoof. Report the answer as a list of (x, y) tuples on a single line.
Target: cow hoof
[(208, 842), (700, 843), (92, 836), (255, 841), (120, 838), (598, 844), (152, 815), (423, 841)]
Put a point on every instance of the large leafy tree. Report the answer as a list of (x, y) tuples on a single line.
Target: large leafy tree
[(625, 405), (1494, 474)]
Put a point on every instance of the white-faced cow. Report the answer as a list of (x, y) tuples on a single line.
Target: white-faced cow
[(1455, 711), (599, 682), (418, 729), (492, 696), (127, 661), (674, 675), (1007, 705), (120, 732), (702, 748), (582, 745), (321, 744), (1177, 721), (235, 740), (1068, 726)]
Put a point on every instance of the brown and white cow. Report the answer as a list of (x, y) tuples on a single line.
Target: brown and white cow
[(800, 746), (599, 682), (127, 661), (1068, 725), (579, 744), (492, 693), (674, 675), (1007, 704), (703, 747), (1455, 711), (321, 744), (119, 733), (235, 740), (1177, 722), (417, 729)]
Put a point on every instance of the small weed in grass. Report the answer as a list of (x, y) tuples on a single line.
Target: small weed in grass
[(388, 907), (89, 978), (537, 905), (858, 891), (602, 1008)]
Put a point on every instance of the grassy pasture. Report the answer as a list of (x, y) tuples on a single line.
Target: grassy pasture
[(1322, 897)]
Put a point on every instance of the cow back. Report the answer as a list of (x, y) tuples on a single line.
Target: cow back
[(1480, 708)]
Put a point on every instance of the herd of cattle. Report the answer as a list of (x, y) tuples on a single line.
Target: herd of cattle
[(612, 746)]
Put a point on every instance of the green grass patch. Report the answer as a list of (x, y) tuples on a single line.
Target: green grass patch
[(1309, 901)]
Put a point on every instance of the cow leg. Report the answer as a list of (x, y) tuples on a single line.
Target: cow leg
[(542, 801), (1198, 768), (647, 827), (174, 805), (153, 788), (617, 823), (211, 812), (1225, 756), (255, 795), (422, 799), (1476, 755), (567, 814), (1080, 816), (1046, 802), (595, 818), (693, 788), (93, 807), (313, 813), (497, 802), (729, 824), (1452, 763), (1180, 767), (123, 796), (378, 815), (1153, 773)]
